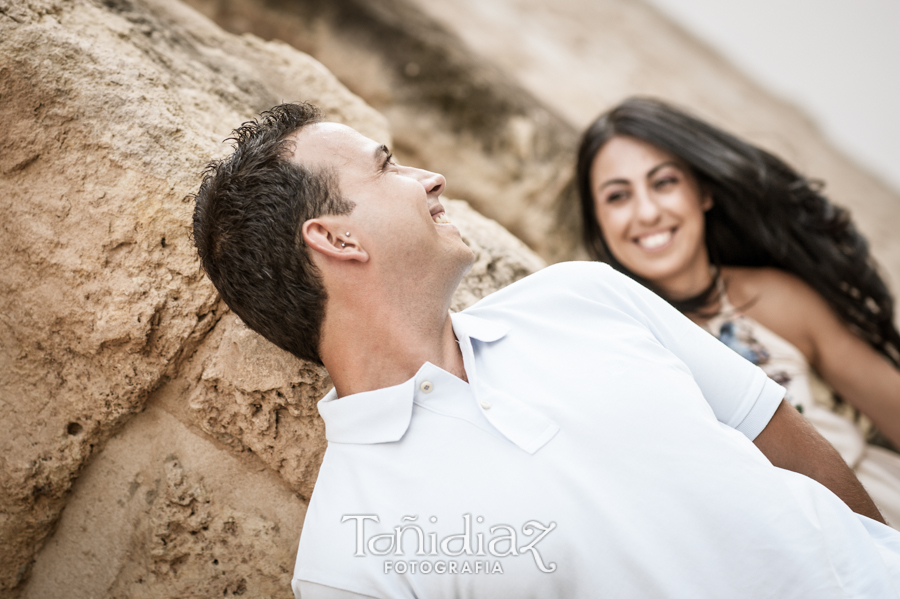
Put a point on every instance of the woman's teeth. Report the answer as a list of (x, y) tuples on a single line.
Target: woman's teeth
[(441, 218), (651, 242)]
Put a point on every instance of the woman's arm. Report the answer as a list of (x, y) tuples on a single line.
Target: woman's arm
[(863, 377), (860, 375)]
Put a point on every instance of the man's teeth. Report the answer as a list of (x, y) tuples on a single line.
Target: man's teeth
[(441, 218), (651, 242)]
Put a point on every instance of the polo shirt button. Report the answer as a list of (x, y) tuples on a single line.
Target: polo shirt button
[(485, 404), (426, 386)]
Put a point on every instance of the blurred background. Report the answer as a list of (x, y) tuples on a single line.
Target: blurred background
[(835, 60)]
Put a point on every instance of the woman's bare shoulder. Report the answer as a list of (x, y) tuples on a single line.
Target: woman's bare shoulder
[(747, 285), (780, 301)]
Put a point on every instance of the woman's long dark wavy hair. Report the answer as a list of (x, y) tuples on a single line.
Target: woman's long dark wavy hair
[(764, 214)]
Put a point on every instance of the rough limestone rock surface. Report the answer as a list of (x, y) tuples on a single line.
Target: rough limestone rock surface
[(182, 446), (109, 113), (162, 512)]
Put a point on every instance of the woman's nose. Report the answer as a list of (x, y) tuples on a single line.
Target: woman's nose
[(646, 207)]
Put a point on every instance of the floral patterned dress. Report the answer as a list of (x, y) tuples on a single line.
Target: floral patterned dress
[(877, 468)]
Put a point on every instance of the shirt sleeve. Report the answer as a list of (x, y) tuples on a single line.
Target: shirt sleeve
[(739, 392)]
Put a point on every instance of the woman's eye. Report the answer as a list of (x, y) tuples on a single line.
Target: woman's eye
[(665, 182), (615, 196)]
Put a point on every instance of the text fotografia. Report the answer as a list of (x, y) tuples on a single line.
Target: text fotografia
[(504, 541), (442, 567)]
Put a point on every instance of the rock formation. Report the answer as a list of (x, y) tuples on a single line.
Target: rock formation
[(111, 110)]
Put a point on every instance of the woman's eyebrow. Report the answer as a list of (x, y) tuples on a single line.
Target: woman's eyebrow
[(613, 182), (656, 168), (649, 175)]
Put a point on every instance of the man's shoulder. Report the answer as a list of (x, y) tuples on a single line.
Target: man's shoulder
[(575, 271), (573, 279)]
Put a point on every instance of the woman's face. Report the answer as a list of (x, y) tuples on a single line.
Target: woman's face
[(650, 209)]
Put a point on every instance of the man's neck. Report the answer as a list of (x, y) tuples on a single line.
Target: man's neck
[(365, 350)]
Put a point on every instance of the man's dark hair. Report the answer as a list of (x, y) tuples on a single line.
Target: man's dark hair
[(247, 228)]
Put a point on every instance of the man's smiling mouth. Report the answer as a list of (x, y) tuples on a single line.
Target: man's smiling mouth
[(439, 215)]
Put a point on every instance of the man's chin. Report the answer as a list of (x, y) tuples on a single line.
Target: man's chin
[(468, 260), (458, 265)]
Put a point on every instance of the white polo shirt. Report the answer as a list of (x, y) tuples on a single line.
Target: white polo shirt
[(601, 448)]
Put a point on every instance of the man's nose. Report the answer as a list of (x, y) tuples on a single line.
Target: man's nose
[(433, 182)]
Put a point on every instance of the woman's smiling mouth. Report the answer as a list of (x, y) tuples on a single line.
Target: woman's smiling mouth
[(655, 241)]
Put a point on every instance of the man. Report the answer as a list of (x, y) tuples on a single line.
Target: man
[(569, 436)]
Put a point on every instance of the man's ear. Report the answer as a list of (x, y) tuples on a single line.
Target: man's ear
[(331, 240)]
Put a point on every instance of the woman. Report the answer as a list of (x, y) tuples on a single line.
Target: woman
[(746, 247)]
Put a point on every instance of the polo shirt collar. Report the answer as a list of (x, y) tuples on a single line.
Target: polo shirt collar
[(383, 415), (379, 416), (466, 325)]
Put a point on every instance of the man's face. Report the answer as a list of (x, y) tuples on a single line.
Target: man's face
[(398, 218)]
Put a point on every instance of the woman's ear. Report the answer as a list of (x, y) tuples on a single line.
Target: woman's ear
[(706, 198), (332, 240)]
